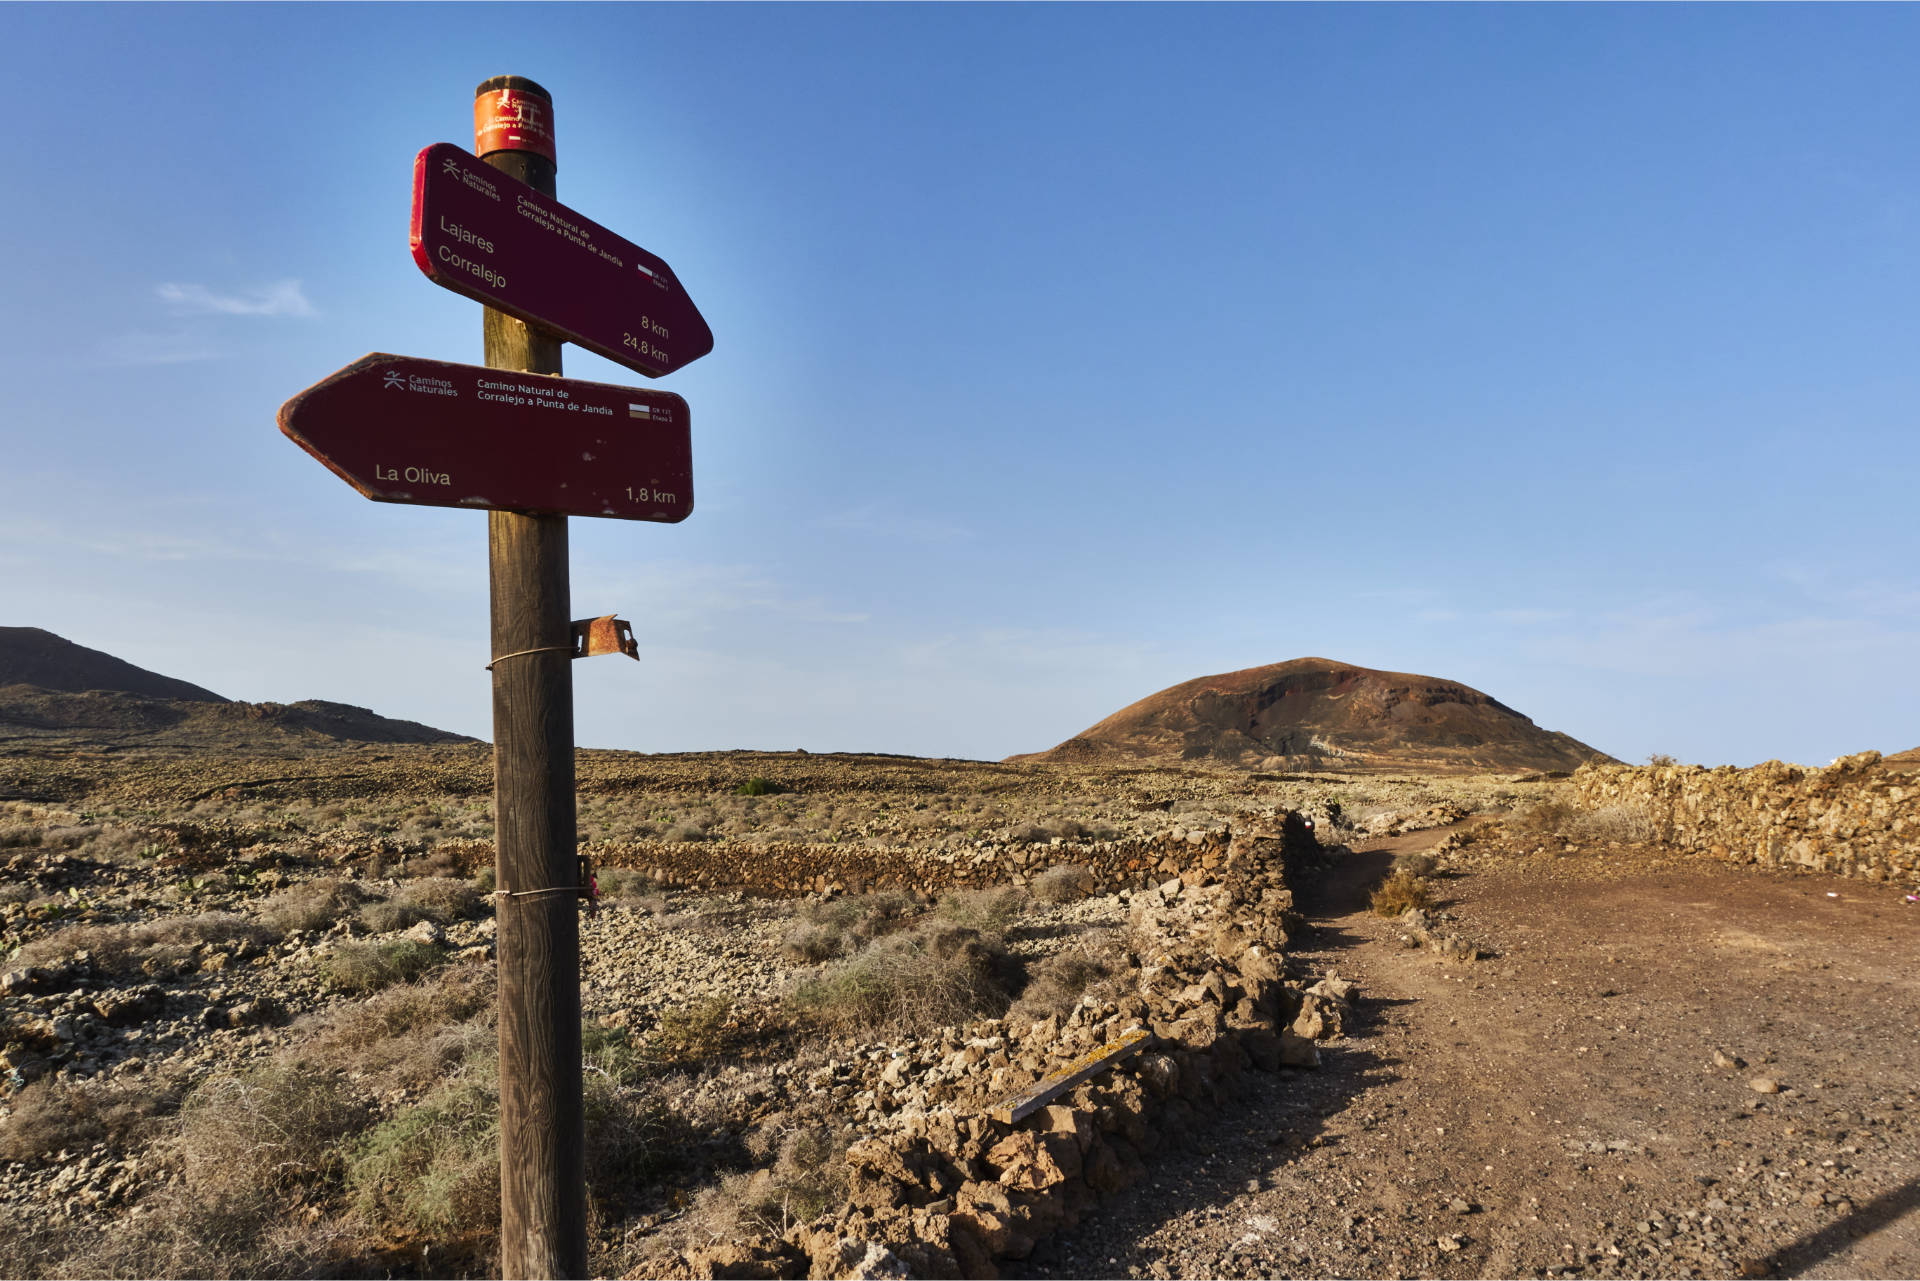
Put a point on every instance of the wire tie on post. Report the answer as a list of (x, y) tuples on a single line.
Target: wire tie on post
[(521, 653)]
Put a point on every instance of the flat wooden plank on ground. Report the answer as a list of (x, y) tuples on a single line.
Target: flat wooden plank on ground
[(1021, 1106)]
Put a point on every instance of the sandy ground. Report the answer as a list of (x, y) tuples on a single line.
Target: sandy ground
[(1557, 1109)]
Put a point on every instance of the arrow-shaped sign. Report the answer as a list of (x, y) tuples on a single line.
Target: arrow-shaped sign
[(498, 241), (436, 434)]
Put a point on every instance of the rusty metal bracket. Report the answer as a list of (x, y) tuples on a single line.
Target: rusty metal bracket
[(604, 635)]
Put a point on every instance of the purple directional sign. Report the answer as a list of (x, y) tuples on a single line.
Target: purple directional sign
[(498, 241), (436, 434)]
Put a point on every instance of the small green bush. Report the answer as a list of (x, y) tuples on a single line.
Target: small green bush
[(434, 1166), (757, 786)]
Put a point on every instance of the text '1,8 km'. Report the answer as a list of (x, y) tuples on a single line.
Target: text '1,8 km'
[(481, 233), (435, 434)]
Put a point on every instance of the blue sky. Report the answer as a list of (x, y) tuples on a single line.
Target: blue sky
[(1062, 353)]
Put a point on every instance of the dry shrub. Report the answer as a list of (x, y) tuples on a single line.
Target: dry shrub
[(1626, 824), (357, 969), (1551, 817), (989, 911), (49, 1115), (120, 949), (933, 975), (412, 1034), (438, 861), (21, 836), (811, 944), (1415, 864), (1400, 892), (315, 905), (624, 883), (1067, 883), (1094, 964), (438, 899), (698, 1034), (276, 1127), (806, 1177), (834, 927), (246, 1233)]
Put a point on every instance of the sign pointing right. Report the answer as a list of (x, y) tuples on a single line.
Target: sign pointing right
[(496, 240)]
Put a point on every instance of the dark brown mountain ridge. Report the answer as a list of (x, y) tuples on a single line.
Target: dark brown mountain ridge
[(53, 691), (1315, 713), (34, 656)]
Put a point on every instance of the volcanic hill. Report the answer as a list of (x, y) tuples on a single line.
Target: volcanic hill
[(1314, 713), (55, 692)]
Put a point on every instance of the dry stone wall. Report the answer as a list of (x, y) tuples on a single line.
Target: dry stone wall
[(941, 1186), (779, 868), (1855, 818)]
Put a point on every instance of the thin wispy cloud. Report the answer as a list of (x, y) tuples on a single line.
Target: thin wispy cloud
[(281, 298)]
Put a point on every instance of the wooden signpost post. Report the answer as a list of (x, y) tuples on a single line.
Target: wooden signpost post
[(531, 448)]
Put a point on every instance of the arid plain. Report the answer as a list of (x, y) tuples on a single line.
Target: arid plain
[(1342, 1020)]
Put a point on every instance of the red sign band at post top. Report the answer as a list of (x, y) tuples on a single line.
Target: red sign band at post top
[(498, 241), (513, 119), (436, 434)]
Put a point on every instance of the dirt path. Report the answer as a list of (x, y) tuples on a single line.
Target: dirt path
[(1556, 1110)]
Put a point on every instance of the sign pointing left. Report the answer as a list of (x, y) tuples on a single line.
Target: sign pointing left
[(436, 434)]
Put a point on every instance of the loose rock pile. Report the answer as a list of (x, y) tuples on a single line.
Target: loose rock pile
[(942, 1187)]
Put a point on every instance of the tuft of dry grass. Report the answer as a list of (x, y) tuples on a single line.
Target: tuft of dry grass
[(122, 949), (1415, 864), (806, 1176), (49, 1115), (435, 898), (410, 1035), (838, 926), (1551, 817), (1400, 892), (700, 1033), (275, 1127), (361, 968), (1096, 963), (937, 973), (989, 911), (314, 905)]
